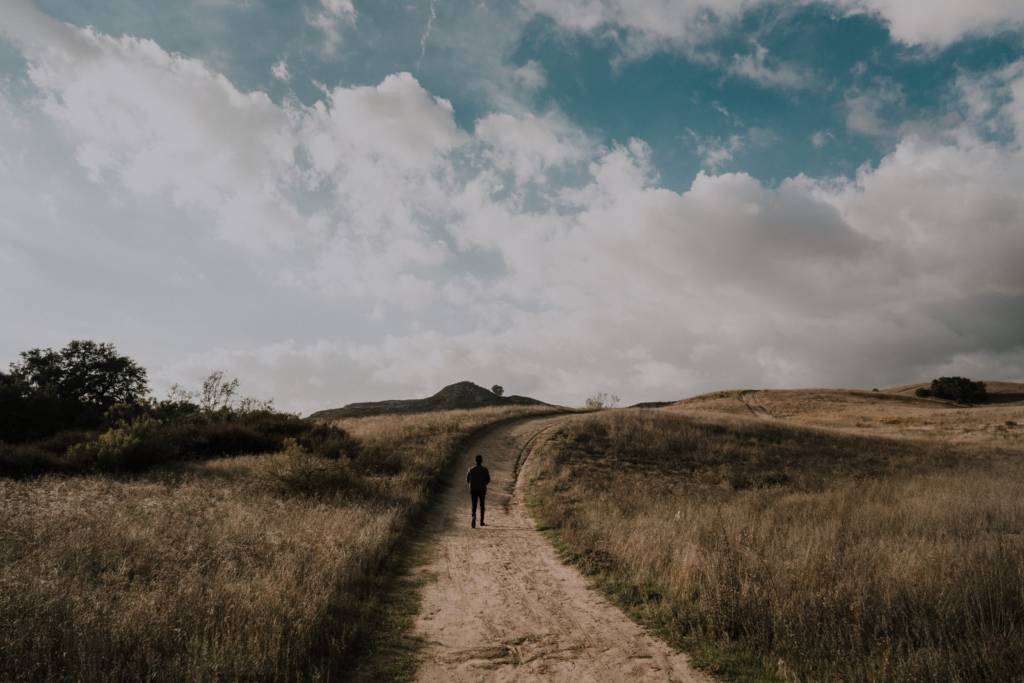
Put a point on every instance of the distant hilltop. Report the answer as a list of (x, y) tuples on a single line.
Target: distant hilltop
[(458, 396)]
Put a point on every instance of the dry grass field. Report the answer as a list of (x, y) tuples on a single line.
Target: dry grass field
[(776, 551), (894, 412), (257, 568)]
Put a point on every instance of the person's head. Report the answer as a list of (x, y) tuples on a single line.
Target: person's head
[(479, 459)]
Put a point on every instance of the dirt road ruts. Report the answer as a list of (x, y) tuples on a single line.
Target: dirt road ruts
[(498, 604)]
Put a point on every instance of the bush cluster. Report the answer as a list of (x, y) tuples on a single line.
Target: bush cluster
[(147, 441), (84, 408), (959, 389), (301, 471)]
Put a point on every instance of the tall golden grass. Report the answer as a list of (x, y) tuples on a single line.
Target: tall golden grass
[(244, 568), (785, 553)]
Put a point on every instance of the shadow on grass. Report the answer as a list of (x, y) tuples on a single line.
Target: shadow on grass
[(389, 651)]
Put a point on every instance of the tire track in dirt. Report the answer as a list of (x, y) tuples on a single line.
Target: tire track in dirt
[(498, 604), (751, 399)]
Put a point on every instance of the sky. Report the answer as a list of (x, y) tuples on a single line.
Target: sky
[(336, 200)]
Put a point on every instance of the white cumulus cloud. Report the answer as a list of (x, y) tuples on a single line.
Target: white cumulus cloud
[(528, 145), (366, 246)]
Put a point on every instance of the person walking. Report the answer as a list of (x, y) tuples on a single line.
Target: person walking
[(478, 478)]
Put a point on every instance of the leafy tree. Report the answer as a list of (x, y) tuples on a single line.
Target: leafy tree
[(47, 391), (498, 390), (83, 372), (959, 389)]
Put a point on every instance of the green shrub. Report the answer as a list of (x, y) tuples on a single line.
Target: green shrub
[(923, 392), (146, 441), (296, 471), (381, 462), (60, 442), (200, 439), (328, 442), (278, 425), (133, 446), (50, 396)]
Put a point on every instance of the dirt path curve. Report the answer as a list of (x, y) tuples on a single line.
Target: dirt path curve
[(498, 604)]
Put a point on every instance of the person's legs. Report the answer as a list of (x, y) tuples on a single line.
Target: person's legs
[(474, 495), (483, 496)]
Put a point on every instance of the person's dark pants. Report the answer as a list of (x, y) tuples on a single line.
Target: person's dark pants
[(478, 496)]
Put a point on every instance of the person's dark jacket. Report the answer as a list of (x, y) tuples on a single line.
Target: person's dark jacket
[(478, 478)]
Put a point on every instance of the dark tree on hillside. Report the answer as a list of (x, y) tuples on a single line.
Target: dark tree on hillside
[(498, 389), (91, 375), (959, 389)]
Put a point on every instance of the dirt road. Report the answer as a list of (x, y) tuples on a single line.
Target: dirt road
[(498, 605)]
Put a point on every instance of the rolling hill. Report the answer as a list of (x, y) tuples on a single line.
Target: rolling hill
[(458, 396), (890, 412), (998, 392)]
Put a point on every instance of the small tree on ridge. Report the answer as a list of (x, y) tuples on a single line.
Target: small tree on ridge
[(601, 400)]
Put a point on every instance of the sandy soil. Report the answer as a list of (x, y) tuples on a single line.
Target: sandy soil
[(498, 604)]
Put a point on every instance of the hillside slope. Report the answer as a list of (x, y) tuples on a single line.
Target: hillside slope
[(774, 551), (458, 396), (998, 392), (893, 412)]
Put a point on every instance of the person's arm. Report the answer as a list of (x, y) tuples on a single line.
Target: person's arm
[(487, 476), (469, 475)]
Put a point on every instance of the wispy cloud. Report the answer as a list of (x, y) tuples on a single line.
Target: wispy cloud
[(716, 152), (865, 108), (330, 19), (820, 138), (761, 68), (427, 30), (650, 26), (530, 75)]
